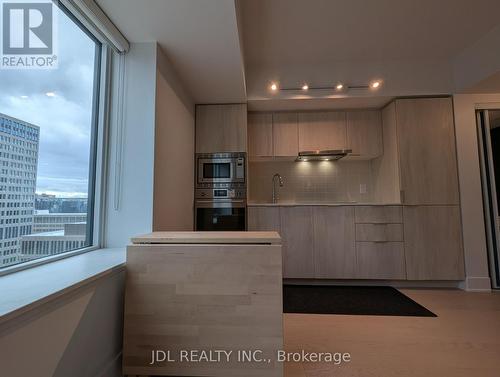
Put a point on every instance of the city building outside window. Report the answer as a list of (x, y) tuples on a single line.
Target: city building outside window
[(47, 137)]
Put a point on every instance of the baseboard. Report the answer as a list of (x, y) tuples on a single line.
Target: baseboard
[(443, 284), (477, 284)]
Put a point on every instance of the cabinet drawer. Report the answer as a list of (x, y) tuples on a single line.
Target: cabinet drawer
[(378, 214), (380, 260), (379, 232)]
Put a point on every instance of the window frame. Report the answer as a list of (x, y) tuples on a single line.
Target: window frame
[(98, 153)]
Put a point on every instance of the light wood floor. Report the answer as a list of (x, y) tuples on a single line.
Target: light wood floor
[(464, 340)]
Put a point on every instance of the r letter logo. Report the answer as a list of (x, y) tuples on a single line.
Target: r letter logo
[(28, 35)]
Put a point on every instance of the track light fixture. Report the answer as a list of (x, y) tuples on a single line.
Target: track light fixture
[(338, 87)]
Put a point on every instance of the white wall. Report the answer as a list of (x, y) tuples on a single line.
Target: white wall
[(476, 260), (174, 151), (80, 333), (152, 182), (130, 177), (77, 335)]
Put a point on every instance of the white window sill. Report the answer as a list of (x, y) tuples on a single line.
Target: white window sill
[(24, 290)]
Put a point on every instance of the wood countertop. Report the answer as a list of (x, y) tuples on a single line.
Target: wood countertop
[(208, 238)]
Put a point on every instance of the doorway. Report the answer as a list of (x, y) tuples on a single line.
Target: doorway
[(488, 122)]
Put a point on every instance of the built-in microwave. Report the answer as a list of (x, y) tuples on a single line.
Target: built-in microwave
[(217, 168)]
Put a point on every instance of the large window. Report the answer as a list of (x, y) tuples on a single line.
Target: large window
[(47, 149)]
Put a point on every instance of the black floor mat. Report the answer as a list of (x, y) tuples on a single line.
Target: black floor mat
[(355, 300)]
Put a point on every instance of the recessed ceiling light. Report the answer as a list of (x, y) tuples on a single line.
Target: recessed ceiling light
[(24, 97), (274, 87), (50, 94), (305, 87), (375, 84), (339, 86)]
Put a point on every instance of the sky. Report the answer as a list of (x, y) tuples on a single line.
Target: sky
[(64, 119)]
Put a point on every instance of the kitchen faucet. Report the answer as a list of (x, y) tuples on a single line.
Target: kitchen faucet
[(275, 196)]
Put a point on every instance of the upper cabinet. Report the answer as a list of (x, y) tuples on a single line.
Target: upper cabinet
[(427, 154), (285, 134), (322, 131), (221, 128), (272, 135), (364, 134), (260, 134)]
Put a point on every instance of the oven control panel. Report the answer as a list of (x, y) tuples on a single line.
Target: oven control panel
[(221, 193)]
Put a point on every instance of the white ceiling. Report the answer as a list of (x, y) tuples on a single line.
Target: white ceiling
[(409, 44), (200, 38), (302, 32)]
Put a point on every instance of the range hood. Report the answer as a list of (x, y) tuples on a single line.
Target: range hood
[(325, 155)]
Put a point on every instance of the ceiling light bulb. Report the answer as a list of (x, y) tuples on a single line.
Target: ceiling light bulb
[(50, 94), (305, 87), (375, 84), (274, 87), (339, 86)]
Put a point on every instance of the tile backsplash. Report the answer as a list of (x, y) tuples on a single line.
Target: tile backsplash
[(318, 181)]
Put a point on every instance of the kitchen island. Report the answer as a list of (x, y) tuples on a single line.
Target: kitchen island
[(203, 303)]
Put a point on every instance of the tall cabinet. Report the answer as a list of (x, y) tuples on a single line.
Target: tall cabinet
[(221, 128), (427, 155), (429, 189)]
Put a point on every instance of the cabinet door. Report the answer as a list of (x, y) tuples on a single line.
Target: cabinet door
[(380, 260), (297, 238), (364, 134), (221, 128), (433, 243), (428, 163), (322, 131), (263, 218), (285, 135), (260, 135), (334, 246)]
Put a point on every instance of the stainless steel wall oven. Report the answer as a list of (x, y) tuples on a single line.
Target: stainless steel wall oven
[(220, 194)]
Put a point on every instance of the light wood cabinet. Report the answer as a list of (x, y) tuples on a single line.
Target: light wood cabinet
[(199, 295), (379, 232), (378, 214), (334, 246), (380, 260), (221, 128), (433, 243), (385, 169), (285, 134), (264, 219), (327, 242), (364, 134), (260, 135), (426, 140), (322, 131), (297, 238)]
